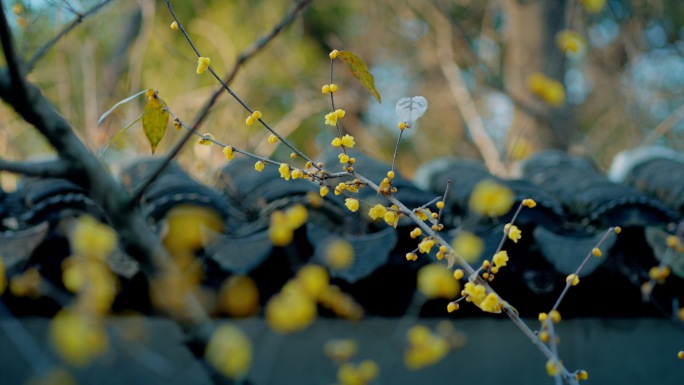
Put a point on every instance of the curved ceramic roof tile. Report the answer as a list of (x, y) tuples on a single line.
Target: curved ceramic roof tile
[(588, 196)]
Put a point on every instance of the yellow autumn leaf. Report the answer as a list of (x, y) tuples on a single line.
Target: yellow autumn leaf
[(360, 71), (155, 118)]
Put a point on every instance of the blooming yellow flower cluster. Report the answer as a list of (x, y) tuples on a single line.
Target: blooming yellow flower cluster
[(331, 118), (346, 141), (284, 223), (352, 204), (547, 89), (477, 294), (424, 348), (202, 64)]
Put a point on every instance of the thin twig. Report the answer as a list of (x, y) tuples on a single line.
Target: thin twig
[(77, 20)]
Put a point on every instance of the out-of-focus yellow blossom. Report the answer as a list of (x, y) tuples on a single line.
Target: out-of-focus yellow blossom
[(272, 139), (680, 314), (514, 233), (674, 242), (206, 140), (680, 354), (284, 223), (259, 166), (547, 89), (238, 296), (458, 274), (174, 26), (340, 303), (77, 338), (571, 43), (324, 191), (17, 8), (659, 274), (92, 239), (555, 316), (313, 279), (593, 6), (553, 367), (92, 280), (186, 228), (290, 310), (490, 198), (229, 351), (469, 246), (436, 281), (352, 204), (425, 348), (361, 374), (377, 211), (339, 254), (228, 152), (500, 259), (340, 350), (26, 284), (402, 125), (333, 54), (55, 376), (202, 64), (596, 252), (284, 170)]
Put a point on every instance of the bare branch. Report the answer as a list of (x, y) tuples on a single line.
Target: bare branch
[(55, 168)]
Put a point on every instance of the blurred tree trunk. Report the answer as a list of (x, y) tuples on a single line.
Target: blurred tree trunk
[(531, 28)]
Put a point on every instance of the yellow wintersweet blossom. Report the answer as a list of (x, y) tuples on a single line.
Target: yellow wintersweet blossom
[(77, 338), (174, 26), (228, 152), (290, 310), (529, 203), (284, 223), (17, 8), (361, 374), (229, 351), (206, 140), (202, 64), (514, 233), (490, 198), (238, 296), (92, 239), (476, 293), (436, 281), (333, 54), (331, 118), (391, 218), (324, 191), (500, 259), (339, 254), (26, 284), (426, 245), (284, 171), (313, 279), (554, 367), (547, 89), (469, 246), (593, 6), (571, 43), (344, 158), (259, 166), (377, 211), (352, 204), (425, 348), (92, 280), (572, 279), (348, 140), (416, 232)]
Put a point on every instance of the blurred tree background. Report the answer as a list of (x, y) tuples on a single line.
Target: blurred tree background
[(622, 73)]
